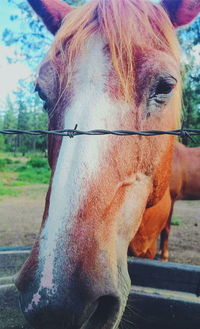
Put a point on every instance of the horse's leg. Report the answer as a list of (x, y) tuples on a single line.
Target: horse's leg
[(151, 252), (164, 237)]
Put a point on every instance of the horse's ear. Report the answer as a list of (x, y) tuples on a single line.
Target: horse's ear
[(52, 12), (181, 12)]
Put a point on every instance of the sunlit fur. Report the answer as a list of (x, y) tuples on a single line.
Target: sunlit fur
[(126, 26)]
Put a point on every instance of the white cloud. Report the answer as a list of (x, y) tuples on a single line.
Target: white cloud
[(10, 73)]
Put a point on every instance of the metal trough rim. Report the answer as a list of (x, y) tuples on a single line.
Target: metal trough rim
[(143, 272), (158, 305)]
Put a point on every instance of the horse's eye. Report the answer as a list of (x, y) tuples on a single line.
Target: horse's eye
[(42, 96), (161, 92), (164, 88)]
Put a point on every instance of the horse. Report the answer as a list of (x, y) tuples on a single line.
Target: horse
[(184, 184), (185, 177), (114, 64), (154, 221)]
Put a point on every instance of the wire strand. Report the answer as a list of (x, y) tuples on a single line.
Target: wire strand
[(184, 132)]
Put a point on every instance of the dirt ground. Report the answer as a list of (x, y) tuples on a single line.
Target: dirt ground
[(184, 243), (20, 219)]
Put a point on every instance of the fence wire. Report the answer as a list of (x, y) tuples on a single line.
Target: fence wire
[(184, 132)]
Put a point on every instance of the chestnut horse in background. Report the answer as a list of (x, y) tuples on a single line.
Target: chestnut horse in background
[(114, 64), (184, 185)]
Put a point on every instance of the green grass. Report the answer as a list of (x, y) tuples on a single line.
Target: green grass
[(9, 191), (16, 172), (175, 222), (34, 176)]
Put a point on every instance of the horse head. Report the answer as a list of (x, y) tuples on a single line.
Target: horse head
[(114, 64)]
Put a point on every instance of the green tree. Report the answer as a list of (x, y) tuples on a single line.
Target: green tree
[(33, 35), (10, 122), (189, 38), (30, 116), (28, 107), (24, 112), (2, 143)]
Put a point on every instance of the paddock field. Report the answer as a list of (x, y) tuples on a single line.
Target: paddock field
[(20, 218)]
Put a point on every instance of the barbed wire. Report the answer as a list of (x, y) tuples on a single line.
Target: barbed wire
[(184, 132)]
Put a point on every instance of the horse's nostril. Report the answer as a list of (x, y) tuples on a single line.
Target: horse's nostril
[(106, 311)]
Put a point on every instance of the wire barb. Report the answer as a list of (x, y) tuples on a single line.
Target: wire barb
[(71, 134), (185, 134)]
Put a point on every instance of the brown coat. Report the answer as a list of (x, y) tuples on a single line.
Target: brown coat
[(184, 185)]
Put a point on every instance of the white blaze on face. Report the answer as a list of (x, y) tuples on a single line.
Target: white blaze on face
[(79, 158), (79, 162)]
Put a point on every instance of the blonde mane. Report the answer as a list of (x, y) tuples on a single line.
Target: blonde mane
[(127, 26)]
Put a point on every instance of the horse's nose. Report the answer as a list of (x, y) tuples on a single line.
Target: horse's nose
[(49, 313)]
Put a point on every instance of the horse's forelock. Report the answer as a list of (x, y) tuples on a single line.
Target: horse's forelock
[(121, 22)]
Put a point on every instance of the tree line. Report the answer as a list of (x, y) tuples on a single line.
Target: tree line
[(23, 109), (24, 112)]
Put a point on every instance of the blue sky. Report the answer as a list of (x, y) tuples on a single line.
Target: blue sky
[(7, 9), (9, 73)]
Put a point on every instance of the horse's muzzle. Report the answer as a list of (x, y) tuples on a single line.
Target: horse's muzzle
[(76, 309)]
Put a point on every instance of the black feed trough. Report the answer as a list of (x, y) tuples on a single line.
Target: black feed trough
[(163, 295)]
